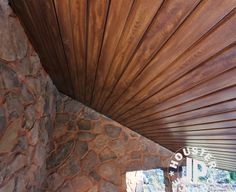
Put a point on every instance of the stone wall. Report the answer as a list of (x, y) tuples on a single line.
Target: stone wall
[(49, 142), (91, 153), (27, 106)]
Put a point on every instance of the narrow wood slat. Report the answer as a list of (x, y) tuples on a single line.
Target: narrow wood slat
[(196, 138), (225, 163), (142, 14), (159, 85), (205, 101), (231, 161), (224, 125), (204, 112), (170, 16), (226, 160), (213, 132), (221, 149), (227, 168), (64, 19), (97, 15), (173, 51), (191, 59), (189, 128), (202, 95), (198, 121), (219, 83), (222, 153), (223, 143), (116, 19), (78, 15), (223, 62)]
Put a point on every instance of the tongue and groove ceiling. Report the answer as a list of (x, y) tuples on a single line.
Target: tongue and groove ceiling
[(164, 68)]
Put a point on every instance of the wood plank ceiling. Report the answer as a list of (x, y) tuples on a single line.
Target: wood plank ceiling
[(164, 68)]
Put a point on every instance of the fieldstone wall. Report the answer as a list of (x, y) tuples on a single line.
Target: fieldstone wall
[(91, 153), (27, 106)]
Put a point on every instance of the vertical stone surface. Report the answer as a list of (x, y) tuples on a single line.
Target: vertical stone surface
[(27, 106), (13, 41), (103, 152)]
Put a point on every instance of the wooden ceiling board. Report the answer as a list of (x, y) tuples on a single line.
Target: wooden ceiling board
[(224, 61), (204, 101), (200, 133), (64, 20), (193, 29), (199, 91), (164, 68), (138, 21), (97, 14), (205, 128), (175, 12), (203, 112), (225, 116), (204, 49), (118, 14)]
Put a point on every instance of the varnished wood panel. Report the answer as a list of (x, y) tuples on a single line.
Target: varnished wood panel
[(152, 77), (140, 17), (97, 18), (169, 17), (118, 14), (164, 68), (201, 76)]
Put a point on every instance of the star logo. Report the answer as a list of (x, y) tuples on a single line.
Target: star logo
[(171, 173)]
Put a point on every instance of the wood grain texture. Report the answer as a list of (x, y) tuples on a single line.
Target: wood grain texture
[(223, 62), (140, 17), (166, 22), (78, 11), (97, 17), (164, 68), (64, 20), (116, 19)]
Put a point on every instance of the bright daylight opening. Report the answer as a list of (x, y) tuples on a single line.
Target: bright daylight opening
[(153, 181), (215, 180), (145, 181)]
